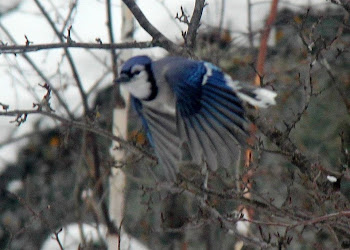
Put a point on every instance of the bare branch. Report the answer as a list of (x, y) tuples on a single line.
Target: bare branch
[(222, 15), (157, 36), (39, 72), (183, 18), (250, 31), (324, 63), (323, 218), (4, 106), (170, 13), (69, 16), (45, 102), (344, 3), (119, 100), (68, 54), (17, 49), (312, 221), (111, 38), (81, 125), (195, 23), (264, 39), (37, 215)]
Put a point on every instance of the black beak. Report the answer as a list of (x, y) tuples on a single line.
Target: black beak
[(123, 78)]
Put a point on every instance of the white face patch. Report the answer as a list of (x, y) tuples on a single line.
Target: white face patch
[(139, 86), (137, 68)]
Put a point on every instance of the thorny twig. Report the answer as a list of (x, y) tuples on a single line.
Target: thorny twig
[(39, 72), (39, 216), (183, 18), (315, 53), (308, 92), (45, 102), (20, 118), (4, 106), (21, 114), (19, 49), (68, 54), (27, 41)]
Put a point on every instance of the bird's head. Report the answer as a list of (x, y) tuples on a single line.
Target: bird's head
[(137, 77)]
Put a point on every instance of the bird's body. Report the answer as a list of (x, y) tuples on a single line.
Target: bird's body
[(189, 104)]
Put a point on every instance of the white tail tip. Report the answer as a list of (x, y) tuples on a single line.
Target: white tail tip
[(260, 97)]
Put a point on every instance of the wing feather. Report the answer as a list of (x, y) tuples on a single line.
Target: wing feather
[(210, 154), (219, 146), (188, 135), (162, 133), (210, 116)]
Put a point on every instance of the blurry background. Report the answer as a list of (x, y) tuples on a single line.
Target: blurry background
[(48, 170)]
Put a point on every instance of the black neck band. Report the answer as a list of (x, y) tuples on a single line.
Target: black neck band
[(152, 80)]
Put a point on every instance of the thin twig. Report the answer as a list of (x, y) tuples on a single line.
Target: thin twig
[(82, 125), (73, 7), (68, 54), (119, 99), (111, 38), (222, 15), (157, 36), (323, 218), (39, 216), (250, 30), (38, 71)]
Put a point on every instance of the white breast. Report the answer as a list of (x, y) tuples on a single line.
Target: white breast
[(139, 86)]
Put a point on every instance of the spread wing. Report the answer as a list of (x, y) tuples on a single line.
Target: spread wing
[(209, 115), (162, 134)]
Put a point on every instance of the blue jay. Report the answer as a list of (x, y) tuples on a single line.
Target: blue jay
[(191, 104)]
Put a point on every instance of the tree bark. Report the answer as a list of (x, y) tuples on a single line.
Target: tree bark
[(117, 182)]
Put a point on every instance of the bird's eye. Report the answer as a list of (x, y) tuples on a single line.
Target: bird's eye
[(136, 72)]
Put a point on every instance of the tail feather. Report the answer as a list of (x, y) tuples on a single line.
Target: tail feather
[(259, 97)]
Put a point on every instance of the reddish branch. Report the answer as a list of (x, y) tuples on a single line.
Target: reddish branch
[(263, 44), (257, 81)]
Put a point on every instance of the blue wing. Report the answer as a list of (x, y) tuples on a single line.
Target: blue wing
[(162, 134), (210, 116), (136, 103)]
